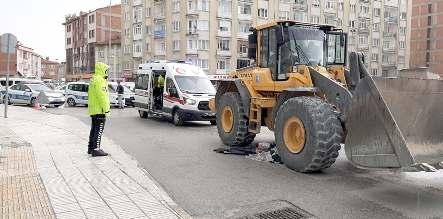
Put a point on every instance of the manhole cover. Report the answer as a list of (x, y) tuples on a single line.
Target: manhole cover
[(277, 209)]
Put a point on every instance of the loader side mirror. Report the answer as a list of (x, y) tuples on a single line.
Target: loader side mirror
[(252, 48)]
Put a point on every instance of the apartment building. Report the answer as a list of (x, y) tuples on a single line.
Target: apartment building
[(213, 34), (29, 63), (49, 69), (427, 35), (111, 56), (83, 32)]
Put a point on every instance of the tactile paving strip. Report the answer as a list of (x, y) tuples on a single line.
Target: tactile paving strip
[(22, 193)]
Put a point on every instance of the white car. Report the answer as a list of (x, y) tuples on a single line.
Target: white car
[(28, 93), (76, 93)]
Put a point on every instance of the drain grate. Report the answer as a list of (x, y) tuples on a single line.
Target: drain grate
[(285, 213), (277, 209)]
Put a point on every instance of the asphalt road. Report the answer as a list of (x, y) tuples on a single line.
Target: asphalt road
[(206, 183)]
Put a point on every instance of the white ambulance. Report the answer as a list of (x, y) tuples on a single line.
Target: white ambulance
[(184, 95)]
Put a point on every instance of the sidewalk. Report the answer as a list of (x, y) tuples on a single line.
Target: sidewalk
[(71, 183)]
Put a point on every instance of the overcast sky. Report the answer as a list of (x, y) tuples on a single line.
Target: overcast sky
[(38, 23)]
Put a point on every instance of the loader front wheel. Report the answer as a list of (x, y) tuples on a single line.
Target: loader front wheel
[(232, 121), (308, 134)]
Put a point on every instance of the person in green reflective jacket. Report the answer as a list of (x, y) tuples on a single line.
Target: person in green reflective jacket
[(98, 107)]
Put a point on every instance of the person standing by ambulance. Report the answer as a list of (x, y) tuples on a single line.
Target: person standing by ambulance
[(98, 107), (120, 92)]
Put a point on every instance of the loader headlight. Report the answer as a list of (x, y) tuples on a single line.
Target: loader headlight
[(189, 101)]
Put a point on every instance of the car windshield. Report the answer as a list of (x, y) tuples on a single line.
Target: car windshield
[(195, 85), (305, 46), (39, 87)]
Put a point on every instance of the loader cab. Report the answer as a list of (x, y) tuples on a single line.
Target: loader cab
[(282, 46)]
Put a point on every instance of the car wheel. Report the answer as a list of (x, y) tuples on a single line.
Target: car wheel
[(33, 101), (213, 122), (71, 102), (177, 118), (143, 114)]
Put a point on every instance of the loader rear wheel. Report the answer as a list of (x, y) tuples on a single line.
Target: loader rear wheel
[(308, 134), (232, 121)]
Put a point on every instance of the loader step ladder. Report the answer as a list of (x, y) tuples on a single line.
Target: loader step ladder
[(255, 112)]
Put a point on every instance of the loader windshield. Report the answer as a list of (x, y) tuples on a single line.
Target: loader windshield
[(303, 47)]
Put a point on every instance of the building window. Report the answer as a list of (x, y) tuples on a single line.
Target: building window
[(243, 48), (430, 8), (315, 19), (428, 44), (375, 42), (263, 12), (203, 44), (91, 34), (148, 12), (192, 44), (284, 15), (223, 64), (374, 72), (374, 57), (137, 29), (377, 12), (362, 39), (203, 25), (428, 57), (175, 26), (403, 31), (176, 6), (428, 32), (403, 15), (352, 23), (204, 5), (243, 27), (376, 27), (68, 28), (330, 5), (223, 44), (402, 44), (315, 3), (353, 8), (429, 20), (224, 8), (91, 19), (148, 29), (192, 26), (386, 44), (176, 45), (224, 25), (401, 59), (364, 9), (202, 63), (68, 40), (244, 8)]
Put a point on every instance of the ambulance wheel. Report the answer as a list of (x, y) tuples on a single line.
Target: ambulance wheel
[(143, 114), (177, 118), (71, 102)]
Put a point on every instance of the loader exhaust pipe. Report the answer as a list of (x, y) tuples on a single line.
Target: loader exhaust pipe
[(374, 138)]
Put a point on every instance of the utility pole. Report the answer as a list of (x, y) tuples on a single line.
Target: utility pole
[(8, 45), (110, 36)]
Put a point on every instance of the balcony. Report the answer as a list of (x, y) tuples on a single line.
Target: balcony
[(137, 2), (159, 34), (192, 12), (363, 30), (244, 17), (224, 53), (224, 15), (389, 34), (392, 20), (242, 35), (363, 47), (300, 7), (390, 50), (192, 51), (192, 32), (160, 53), (242, 55), (224, 33)]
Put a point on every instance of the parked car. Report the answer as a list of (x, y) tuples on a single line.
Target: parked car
[(76, 93), (27, 93)]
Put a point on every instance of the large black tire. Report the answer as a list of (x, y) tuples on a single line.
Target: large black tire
[(143, 114), (33, 102), (177, 118), (323, 134), (71, 102), (239, 134)]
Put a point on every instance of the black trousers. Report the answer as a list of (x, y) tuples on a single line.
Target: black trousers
[(97, 126)]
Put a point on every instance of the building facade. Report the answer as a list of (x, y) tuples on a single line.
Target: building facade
[(83, 32), (110, 56), (50, 69), (214, 34), (427, 35), (29, 63)]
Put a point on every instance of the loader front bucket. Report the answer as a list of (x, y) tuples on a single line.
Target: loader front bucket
[(388, 123)]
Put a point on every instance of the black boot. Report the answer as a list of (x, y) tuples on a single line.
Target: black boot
[(99, 153), (90, 150)]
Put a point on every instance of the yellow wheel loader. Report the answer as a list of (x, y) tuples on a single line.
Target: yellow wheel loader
[(299, 87)]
